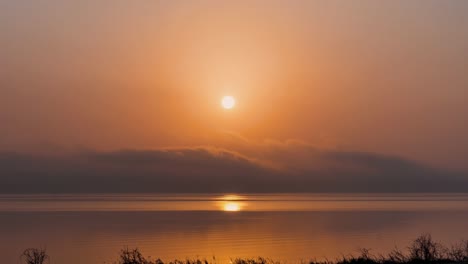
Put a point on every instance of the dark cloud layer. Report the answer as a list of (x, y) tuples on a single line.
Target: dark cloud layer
[(289, 167)]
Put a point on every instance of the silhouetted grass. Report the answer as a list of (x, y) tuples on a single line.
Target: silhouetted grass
[(423, 250)]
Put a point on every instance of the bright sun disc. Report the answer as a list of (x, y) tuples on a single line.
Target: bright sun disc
[(228, 102)]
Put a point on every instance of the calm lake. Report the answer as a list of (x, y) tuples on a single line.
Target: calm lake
[(287, 227)]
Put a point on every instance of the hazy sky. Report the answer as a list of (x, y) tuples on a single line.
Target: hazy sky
[(384, 77)]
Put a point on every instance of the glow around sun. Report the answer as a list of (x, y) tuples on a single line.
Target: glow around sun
[(228, 102)]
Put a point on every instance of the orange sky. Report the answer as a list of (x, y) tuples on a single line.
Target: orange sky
[(387, 77)]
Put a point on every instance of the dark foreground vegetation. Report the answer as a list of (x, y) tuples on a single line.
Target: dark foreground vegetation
[(422, 250)]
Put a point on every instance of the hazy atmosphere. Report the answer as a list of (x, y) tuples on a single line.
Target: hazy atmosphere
[(326, 92)]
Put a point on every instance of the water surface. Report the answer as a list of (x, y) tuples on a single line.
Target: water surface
[(287, 227)]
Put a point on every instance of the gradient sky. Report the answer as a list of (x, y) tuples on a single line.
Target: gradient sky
[(384, 77)]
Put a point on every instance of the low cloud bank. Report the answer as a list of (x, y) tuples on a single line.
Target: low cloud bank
[(271, 167)]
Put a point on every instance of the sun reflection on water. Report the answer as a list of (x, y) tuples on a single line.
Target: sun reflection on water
[(231, 207), (231, 203)]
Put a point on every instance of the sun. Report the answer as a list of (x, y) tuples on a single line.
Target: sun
[(228, 102)]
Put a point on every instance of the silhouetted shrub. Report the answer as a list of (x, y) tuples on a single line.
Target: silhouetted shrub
[(426, 249), (459, 252), (132, 256), (34, 256)]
